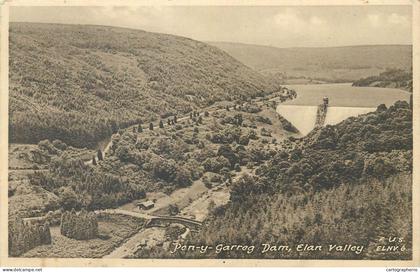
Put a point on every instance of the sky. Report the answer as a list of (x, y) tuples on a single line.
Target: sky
[(280, 26)]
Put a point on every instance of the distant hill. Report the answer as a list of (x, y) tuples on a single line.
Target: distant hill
[(79, 83), (333, 64), (392, 78)]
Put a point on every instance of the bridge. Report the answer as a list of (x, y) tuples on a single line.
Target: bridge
[(163, 221), (155, 220)]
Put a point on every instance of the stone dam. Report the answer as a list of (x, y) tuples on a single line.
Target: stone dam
[(306, 118), (329, 104)]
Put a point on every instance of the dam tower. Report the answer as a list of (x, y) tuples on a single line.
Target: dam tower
[(321, 113), (325, 101)]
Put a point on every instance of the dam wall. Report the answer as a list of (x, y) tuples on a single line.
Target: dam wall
[(306, 118), (337, 114), (302, 117)]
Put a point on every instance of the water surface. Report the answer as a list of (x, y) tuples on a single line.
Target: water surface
[(344, 101), (345, 95)]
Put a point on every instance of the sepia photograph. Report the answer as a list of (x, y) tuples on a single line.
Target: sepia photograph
[(210, 132)]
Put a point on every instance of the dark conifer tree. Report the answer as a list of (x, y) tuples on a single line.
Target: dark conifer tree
[(140, 129), (151, 126), (94, 160), (100, 155), (161, 124), (175, 119)]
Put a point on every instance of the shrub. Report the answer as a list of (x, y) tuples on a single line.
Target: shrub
[(59, 145), (216, 164), (46, 145), (68, 199)]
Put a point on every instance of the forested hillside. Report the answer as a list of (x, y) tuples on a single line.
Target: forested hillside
[(392, 78), (79, 83), (352, 178), (344, 184), (332, 64)]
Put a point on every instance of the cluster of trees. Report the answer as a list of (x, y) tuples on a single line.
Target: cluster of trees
[(24, 236), (78, 129), (382, 131), (209, 179), (230, 134), (250, 108), (81, 186), (174, 157), (52, 148), (397, 78), (237, 119), (79, 226), (159, 157)]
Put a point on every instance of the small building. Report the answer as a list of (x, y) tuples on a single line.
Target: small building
[(146, 205)]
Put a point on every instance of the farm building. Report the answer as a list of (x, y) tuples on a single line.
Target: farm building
[(146, 205)]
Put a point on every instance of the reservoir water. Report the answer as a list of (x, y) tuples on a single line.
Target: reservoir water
[(344, 101)]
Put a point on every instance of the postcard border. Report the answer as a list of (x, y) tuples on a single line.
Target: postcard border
[(43, 262)]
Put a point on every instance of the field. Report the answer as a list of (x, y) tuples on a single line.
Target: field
[(345, 95), (113, 230)]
